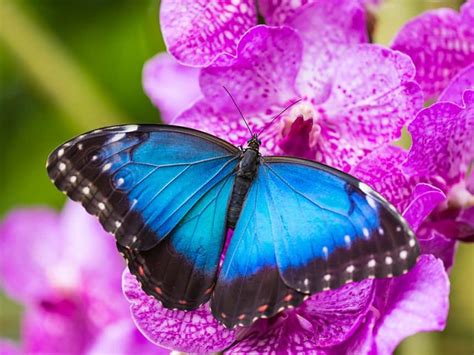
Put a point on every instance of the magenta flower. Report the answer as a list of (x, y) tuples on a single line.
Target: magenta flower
[(441, 43), (197, 32), (65, 270), (371, 91), (171, 87), (364, 317), (442, 149)]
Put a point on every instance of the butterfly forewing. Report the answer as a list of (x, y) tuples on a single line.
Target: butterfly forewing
[(163, 192)]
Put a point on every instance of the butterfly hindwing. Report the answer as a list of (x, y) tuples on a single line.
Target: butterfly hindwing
[(141, 180), (181, 270), (306, 228), (330, 229), (249, 284)]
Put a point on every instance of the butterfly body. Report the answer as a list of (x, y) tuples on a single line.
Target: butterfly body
[(169, 194), (247, 169)]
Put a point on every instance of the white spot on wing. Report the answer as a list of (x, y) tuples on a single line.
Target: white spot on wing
[(325, 252), (347, 239), (101, 206), (86, 190), (350, 269), (106, 167), (371, 263), (366, 233), (327, 277), (388, 260), (62, 166), (60, 152), (129, 128), (365, 188), (403, 254), (117, 137), (371, 202), (73, 179)]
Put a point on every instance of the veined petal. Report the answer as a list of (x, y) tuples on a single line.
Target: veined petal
[(369, 99), (325, 320), (463, 81), (381, 169), (261, 75), (424, 200), (193, 331), (415, 302), (196, 32), (327, 29), (442, 142), (441, 43)]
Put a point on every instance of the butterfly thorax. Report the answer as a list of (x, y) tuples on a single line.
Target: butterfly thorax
[(246, 172)]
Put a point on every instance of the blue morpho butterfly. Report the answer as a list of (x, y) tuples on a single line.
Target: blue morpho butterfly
[(168, 194)]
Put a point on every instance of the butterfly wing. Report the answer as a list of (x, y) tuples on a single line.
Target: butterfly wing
[(162, 191), (140, 181), (249, 284), (308, 228), (181, 270)]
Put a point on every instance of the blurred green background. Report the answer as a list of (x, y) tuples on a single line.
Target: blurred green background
[(69, 66)]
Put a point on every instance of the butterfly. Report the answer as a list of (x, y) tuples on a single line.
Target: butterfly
[(169, 194)]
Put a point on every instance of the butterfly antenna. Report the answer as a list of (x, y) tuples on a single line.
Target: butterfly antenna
[(281, 113), (238, 109)]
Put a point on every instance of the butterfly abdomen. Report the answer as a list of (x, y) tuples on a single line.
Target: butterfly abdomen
[(246, 172)]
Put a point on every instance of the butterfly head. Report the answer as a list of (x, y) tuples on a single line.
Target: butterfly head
[(254, 143)]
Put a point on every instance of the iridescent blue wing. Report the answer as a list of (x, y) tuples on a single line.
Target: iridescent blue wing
[(249, 284), (181, 270), (162, 191), (318, 228)]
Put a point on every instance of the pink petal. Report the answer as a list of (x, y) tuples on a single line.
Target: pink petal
[(172, 87), (463, 81), (259, 53), (442, 142), (441, 43), (287, 335), (372, 91), (328, 29), (416, 302), (381, 169), (124, 338), (336, 315), (57, 329), (204, 117), (86, 245), (277, 12), (29, 244), (326, 319), (424, 200), (8, 347), (196, 32), (192, 331), (437, 244), (262, 74), (362, 341)]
